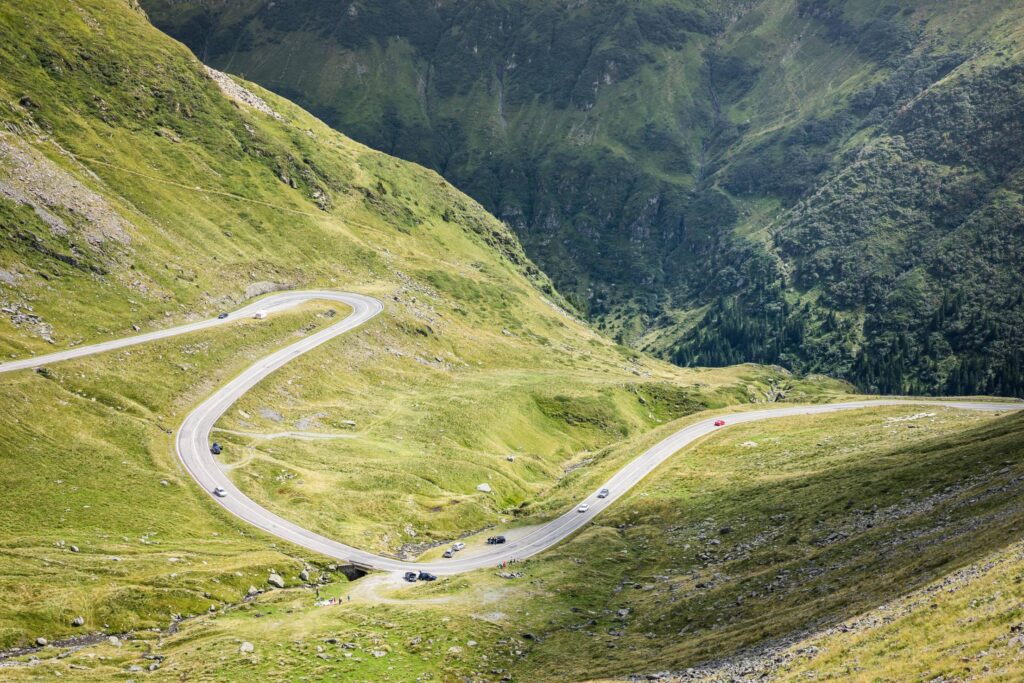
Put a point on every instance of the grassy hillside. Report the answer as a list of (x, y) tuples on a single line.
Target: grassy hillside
[(137, 191), (815, 183), (750, 549)]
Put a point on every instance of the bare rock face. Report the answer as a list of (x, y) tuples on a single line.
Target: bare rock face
[(260, 288), (240, 94), (27, 177)]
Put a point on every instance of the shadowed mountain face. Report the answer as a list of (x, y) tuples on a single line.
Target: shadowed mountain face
[(833, 185)]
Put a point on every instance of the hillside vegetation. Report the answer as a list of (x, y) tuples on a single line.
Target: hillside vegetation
[(880, 544), (831, 185), (139, 190)]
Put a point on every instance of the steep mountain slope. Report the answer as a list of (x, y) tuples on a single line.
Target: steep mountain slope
[(139, 190), (818, 183)]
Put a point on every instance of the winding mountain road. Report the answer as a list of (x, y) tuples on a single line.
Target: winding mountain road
[(193, 440)]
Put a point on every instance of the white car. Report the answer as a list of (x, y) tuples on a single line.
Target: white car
[(220, 492), (458, 546), (583, 508), (260, 315), (603, 493)]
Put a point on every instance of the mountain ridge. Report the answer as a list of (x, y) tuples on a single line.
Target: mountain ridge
[(657, 154)]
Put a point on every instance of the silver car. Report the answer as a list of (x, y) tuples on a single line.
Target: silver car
[(603, 493)]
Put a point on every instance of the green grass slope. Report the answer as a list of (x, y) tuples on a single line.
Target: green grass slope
[(815, 183), (138, 191), (881, 544)]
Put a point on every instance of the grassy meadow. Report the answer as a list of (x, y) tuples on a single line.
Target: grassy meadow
[(763, 535), (138, 194)]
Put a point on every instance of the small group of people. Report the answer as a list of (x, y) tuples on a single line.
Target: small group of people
[(506, 563), (326, 602)]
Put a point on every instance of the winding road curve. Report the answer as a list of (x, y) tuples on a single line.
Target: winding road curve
[(193, 439)]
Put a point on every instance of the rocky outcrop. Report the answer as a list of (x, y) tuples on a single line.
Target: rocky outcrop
[(241, 95)]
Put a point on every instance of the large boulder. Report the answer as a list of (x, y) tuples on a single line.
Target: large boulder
[(276, 581)]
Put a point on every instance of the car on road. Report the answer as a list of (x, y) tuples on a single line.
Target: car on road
[(583, 508), (410, 577), (719, 423), (216, 448), (222, 316), (448, 553), (458, 546), (220, 492), (495, 540), (426, 576), (260, 315), (603, 493)]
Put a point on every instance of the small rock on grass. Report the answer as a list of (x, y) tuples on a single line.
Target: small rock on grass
[(41, 642), (276, 581), (246, 647), (78, 621)]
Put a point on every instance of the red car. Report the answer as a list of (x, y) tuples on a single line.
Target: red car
[(719, 423)]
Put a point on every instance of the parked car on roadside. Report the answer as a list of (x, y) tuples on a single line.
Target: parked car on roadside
[(216, 448), (426, 576), (448, 554), (410, 577), (458, 546), (495, 540)]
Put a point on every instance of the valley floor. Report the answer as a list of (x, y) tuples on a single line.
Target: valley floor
[(829, 545)]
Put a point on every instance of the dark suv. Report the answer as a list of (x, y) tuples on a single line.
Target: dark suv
[(426, 576), (410, 577), (215, 448), (495, 540)]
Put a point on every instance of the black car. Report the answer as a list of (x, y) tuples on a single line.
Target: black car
[(426, 576), (410, 577), (495, 540), (215, 448), (222, 316)]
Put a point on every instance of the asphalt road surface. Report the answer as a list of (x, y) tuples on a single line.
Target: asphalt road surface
[(193, 441)]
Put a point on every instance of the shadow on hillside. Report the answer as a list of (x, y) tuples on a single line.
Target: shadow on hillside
[(803, 553)]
